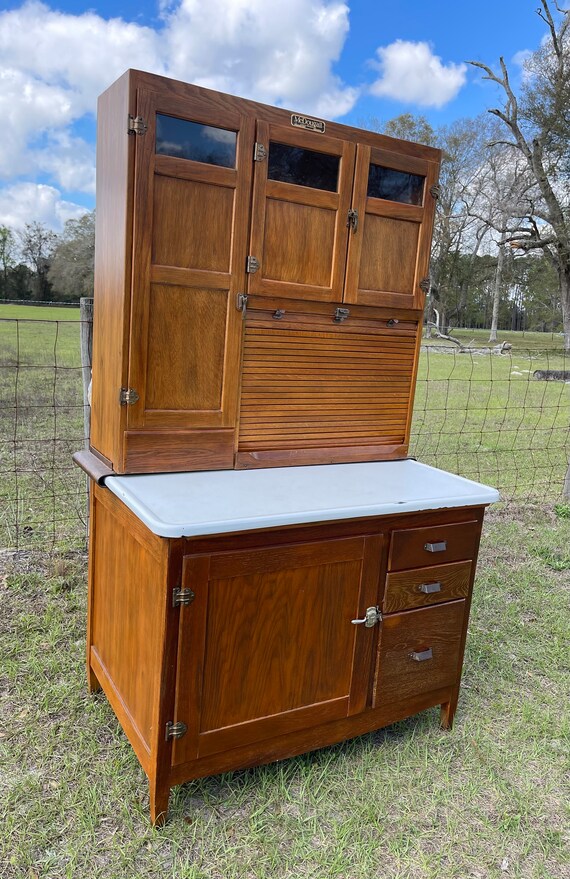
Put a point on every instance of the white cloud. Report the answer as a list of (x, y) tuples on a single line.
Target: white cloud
[(24, 202), (410, 72), (54, 65)]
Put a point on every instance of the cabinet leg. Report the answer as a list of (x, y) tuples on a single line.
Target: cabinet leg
[(93, 685), (159, 795), (447, 713)]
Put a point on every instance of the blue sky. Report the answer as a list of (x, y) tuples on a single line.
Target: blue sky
[(349, 60)]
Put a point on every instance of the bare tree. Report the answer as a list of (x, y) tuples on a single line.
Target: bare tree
[(37, 244), (539, 126), (71, 269), (7, 255)]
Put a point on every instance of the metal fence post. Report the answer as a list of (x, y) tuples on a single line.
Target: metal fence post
[(86, 344)]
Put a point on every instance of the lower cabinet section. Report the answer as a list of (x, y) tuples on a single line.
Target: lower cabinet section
[(224, 652)]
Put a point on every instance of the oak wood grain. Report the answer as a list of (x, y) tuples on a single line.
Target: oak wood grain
[(403, 587)]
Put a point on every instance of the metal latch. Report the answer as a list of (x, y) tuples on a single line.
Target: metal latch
[(340, 314), (436, 547), (259, 152), (424, 284), (252, 265), (182, 597), (352, 220), (128, 396), (137, 125), (370, 619), (421, 655), (241, 303), (435, 190), (175, 730)]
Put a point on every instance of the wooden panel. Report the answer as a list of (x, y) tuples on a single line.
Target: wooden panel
[(410, 547), (155, 451), (268, 614), (313, 384), (192, 224), (299, 243), (388, 260), (185, 363), (439, 629), (403, 589), (115, 160), (298, 233), (126, 634)]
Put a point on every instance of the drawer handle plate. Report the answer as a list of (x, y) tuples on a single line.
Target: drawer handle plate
[(436, 547), (429, 588), (421, 655)]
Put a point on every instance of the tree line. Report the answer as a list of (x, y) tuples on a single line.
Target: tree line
[(501, 247), (37, 264)]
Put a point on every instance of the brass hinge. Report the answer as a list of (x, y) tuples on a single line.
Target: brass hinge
[(137, 125), (259, 152), (182, 597), (435, 190), (352, 220), (128, 396), (175, 730), (252, 265), (424, 284), (241, 303)]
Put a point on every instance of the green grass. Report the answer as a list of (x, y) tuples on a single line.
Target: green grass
[(409, 802), (521, 341), (38, 312)]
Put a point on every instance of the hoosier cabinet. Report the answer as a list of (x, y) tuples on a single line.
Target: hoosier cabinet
[(268, 570)]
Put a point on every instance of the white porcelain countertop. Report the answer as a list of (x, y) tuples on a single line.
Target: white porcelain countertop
[(219, 501)]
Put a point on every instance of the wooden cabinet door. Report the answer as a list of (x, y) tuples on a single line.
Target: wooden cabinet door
[(191, 208), (268, 647), (389, 245), (302, 191)]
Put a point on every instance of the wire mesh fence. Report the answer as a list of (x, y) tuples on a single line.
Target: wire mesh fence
[(484, 416)]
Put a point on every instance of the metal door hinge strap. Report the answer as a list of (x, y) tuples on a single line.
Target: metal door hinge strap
[(435, 190), (128, 396), (424, 284), (175, 730), (137, 125), (251, 265), (259, 152), (182, 597), (352, 220)]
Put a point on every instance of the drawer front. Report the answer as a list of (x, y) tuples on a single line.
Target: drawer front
[(419, 652), (419, 547), (424, 586)]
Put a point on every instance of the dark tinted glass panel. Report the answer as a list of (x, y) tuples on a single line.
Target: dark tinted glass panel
[(291, 164), (395, 185), (192, 140)]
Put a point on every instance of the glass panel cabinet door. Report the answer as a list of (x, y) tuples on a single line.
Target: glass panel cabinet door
[(301, 198), (191, 202), (388, 249)]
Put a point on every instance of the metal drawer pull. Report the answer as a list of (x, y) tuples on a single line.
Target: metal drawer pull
[(422, 655), (436, 547), (428, 588), (372, 617)]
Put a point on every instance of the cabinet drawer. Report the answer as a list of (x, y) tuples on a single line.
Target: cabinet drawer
[(419, 652), (423, 586), (418, 547)]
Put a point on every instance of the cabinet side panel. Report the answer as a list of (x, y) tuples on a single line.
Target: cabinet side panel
[(112, 269), (127, 625)]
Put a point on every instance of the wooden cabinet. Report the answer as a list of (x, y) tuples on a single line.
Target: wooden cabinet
[(226, 651), (212, 209)]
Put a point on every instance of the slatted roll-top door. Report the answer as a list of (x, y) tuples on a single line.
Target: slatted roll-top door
[(315, 391)]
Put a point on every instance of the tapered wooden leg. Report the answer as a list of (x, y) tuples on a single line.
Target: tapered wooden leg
[(159, 795)]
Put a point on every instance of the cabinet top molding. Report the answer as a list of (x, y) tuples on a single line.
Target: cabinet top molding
[(218, 502)]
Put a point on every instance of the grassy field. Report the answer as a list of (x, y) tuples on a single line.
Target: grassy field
[(487, 799)]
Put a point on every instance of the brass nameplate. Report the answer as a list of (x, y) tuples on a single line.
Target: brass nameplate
[(305, 122)]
